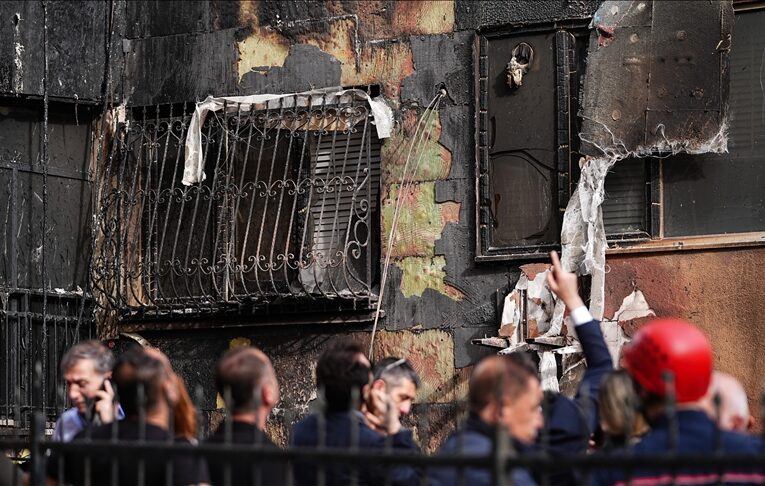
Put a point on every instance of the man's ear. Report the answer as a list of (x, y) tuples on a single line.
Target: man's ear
[(269, 395), (379, 385)]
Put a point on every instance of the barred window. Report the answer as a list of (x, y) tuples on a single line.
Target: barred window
[(286, 216)]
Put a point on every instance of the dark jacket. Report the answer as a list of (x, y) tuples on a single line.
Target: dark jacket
[(244, 473), (338, 435), (476, 437), (696, 435), (566, 417), (569, 423)]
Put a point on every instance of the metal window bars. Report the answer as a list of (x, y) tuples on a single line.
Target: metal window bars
[(287, 215)]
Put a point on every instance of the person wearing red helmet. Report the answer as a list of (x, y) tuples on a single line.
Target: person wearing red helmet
[(670, 361)]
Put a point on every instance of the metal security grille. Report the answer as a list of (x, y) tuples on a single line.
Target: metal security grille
[(287, 214), (45, 306)]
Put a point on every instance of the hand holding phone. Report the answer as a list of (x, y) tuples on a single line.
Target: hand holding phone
[(103, 409)]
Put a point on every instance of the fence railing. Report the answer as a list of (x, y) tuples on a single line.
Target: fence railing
[(143, 453), (145, 458)]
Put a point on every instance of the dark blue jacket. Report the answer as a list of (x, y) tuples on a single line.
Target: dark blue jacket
[(565, 417), (696, 435), (569, 423), (477, 437), (338, 435)]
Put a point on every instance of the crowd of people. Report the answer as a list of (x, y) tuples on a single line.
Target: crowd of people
[(664, 397)]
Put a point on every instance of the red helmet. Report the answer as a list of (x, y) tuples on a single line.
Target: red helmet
[(671, 345)]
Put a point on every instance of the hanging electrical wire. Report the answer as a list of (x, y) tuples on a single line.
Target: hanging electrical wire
[(405, 185)]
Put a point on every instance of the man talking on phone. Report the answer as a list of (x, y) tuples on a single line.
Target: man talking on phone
[(87, 368)]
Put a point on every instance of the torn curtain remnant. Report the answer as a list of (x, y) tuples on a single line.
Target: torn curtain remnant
[(193, 171)]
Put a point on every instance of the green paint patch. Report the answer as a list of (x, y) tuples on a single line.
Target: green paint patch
[(431, 159), (425, 273), (421, 220)]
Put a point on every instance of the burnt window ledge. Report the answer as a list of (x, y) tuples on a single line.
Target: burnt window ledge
[(731, 240)]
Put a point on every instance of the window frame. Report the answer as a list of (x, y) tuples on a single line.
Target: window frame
[(626, 243)]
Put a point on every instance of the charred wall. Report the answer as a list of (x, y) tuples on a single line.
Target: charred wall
[(437, 298)]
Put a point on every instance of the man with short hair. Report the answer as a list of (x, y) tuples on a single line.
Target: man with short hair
[(343, 376), (504, 395), (397, 378), (147, 392), (86, 368), (246, 379), (732, 413)]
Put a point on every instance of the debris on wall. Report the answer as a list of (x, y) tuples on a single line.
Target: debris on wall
[(666, 68), (634, 306), (531, 304)]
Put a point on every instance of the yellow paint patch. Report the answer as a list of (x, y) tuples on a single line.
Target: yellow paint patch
[(417, 141), (421, 220), (385, 64), (239, 342), (263, 49), (420, 273), (418, 17)]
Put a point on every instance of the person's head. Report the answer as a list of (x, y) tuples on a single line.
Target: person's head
[(246, 378), (619, 407), (670, 355), (731, 411), (506, 394), (399, 380), (343, 373), (144, 381), (85, 367)]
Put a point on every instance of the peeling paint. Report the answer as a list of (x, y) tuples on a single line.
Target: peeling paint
[(265, 48), (18, 54), (420, 273), (435, 160), (421, 219), (386, 64), (431, 354), (417, 17), (539, 304)]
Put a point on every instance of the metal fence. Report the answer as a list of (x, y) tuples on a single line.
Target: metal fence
[(145, 459)]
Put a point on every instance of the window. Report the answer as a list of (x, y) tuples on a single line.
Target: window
[(707, 194), (526, 137), (287, 217), (32, 331), (528, 142)]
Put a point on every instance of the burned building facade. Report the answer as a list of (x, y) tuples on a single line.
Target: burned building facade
[(200, 175)]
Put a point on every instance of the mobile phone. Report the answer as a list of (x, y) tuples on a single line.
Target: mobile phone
[(94, 418)]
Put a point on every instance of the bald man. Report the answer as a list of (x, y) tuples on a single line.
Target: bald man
[(246, 379), (503, 394), (733, 414)]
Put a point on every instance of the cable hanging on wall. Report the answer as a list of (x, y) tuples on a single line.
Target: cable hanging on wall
[(422, 132)]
